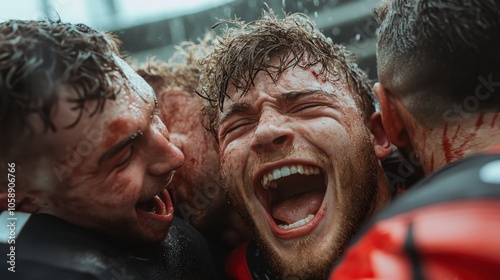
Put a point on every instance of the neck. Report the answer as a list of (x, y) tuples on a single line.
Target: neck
[(452, 141)]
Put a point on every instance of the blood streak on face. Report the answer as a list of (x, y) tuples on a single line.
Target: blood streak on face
[(120, 187), (298, 163), (316, 75)]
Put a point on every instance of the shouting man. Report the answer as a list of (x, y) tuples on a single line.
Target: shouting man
[(197, 194), (299, 142), (91, 159)]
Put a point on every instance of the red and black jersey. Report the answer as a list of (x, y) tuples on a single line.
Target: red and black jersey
[(446, 227), (248, 262)]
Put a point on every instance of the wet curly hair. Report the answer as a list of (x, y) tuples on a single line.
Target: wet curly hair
[(181, 71), (243, 50), (37, 58)]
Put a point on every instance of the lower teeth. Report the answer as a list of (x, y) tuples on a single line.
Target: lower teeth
[(298, 223)]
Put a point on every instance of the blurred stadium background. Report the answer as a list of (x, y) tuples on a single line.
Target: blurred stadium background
[(154, 27)]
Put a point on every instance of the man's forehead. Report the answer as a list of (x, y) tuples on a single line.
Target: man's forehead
[(292, 79), (135, 81)]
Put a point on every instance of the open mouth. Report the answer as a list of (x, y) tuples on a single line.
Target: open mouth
[(158, 204), (293, 196)]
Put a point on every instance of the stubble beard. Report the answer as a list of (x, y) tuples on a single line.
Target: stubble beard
[(304, 260)]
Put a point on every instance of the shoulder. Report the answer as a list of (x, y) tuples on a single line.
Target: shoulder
[(236, 265), (50, 248), (186, 254), (445, 227), (473, 178)]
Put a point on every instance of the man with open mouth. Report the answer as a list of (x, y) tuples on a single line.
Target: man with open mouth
[(299, 141), (88, 154), (197, 191)]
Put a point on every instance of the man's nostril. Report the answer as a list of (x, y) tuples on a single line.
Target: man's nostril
[(259, 147), (280, 140)]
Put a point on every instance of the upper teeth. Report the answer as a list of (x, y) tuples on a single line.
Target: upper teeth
[(268, 180)]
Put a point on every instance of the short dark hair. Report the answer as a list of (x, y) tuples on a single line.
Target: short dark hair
[(37, 58), (244, 49), (430, 53)]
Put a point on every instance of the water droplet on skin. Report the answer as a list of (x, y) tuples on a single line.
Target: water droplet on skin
[(358, 37), (315, 14)]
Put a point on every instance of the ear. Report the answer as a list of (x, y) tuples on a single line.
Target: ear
[(22, 201), (379, 138), (391, 119)]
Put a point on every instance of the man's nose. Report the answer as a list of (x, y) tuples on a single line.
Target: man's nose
[(165, 156), (273, 133)]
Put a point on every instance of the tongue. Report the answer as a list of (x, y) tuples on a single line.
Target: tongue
[(159, 207), (297, 207)]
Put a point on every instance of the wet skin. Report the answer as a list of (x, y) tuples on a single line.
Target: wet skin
[(104, 174), (445, 143), (198, 191), (306, 120), (197, 182)]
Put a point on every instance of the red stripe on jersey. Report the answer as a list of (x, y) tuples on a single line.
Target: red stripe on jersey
[(453, 240), (236, 265)]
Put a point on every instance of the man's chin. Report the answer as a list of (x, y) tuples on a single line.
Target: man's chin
[(302, 259), (300, 269)]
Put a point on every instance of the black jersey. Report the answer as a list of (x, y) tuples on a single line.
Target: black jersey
[(50, 248)]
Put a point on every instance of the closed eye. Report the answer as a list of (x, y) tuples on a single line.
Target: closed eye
[(304, 107), (125, 158), (236, 126)]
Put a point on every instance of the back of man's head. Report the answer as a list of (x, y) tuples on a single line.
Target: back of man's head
[(432, 54)]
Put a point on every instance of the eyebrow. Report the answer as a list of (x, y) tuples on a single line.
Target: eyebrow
[(294, 95), (236, 108), (288, 96)]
